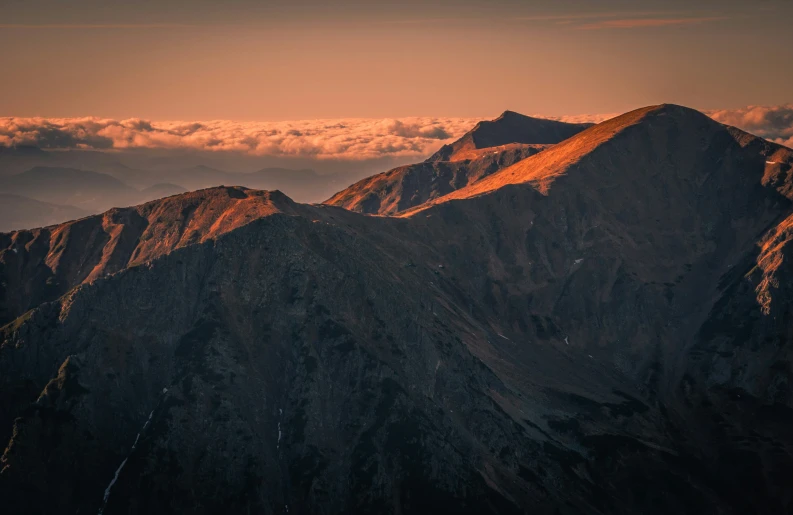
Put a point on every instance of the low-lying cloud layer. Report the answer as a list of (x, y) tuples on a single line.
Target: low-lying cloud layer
[(343, 139), (774, 123), (321, 139)]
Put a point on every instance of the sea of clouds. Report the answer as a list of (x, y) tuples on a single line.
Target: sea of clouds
[(341, 138), (348, 139), (774, 123)]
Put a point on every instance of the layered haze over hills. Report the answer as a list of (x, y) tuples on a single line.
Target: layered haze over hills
[(545, 317)]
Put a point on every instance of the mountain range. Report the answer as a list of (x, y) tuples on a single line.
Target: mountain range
[(79, 192), (597, 320)]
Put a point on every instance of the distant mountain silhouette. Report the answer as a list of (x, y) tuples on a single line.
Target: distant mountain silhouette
[(18, 212), (161, 190), (93, 192), (80, 188)]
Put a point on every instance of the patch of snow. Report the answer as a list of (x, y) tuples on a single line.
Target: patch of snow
[(501, 335), (278, 443), (565, 340), (578, 261), (165, 390), (118, 470), (113, 482), (144, 427)]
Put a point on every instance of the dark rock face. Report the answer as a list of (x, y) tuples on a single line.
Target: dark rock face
[(603, 327)]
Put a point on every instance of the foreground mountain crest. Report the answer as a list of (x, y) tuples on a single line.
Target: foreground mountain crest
[(601, 327), (42, 264)]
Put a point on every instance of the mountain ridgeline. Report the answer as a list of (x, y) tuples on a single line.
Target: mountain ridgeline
[(487, 148), (52, 194), (602, 326)]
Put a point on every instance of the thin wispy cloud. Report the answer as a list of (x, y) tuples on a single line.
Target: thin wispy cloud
[(93, 25), (637, 23), (596, 15), (581, 20), (559, 19)]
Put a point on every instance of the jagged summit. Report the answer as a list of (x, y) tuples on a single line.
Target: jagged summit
[(509, 128)]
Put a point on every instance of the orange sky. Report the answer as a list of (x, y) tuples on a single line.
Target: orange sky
[(303, 59)]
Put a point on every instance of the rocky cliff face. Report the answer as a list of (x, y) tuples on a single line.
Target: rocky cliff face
[(487, 148), (602, 327)]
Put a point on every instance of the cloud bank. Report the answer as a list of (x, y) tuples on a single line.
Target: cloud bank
[(349, 139), (774, 123), (343, 139)]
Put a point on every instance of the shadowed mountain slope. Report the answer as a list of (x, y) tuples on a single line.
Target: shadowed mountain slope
[(604, 331), (485, 149)]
